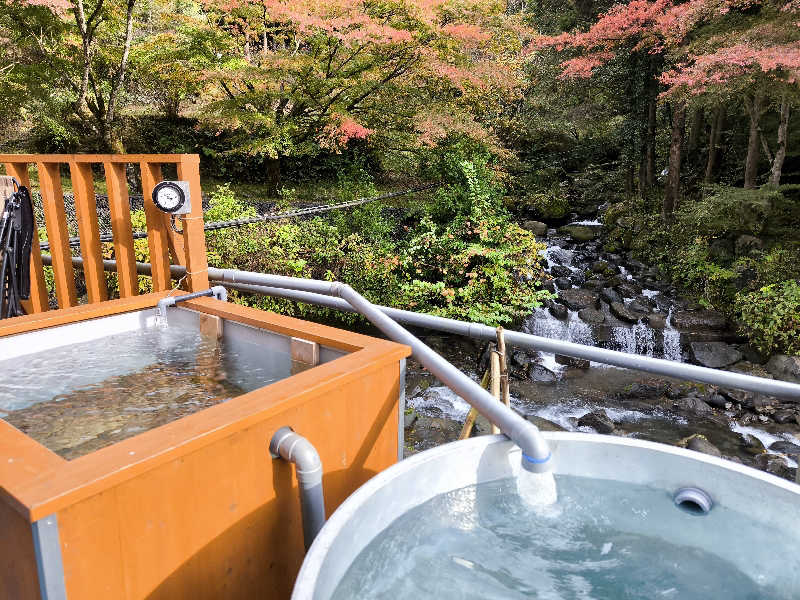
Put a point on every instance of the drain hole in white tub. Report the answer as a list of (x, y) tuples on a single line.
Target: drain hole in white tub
[(693, 501)]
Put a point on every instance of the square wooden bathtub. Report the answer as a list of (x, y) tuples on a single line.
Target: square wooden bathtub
[(195, 508)]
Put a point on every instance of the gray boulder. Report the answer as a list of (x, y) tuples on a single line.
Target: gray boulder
[(610, 295), (785, 448), (629, 289), (699, 319), (591, 315), (715, 355), (624, 313), (560, 271), (785, 416), (595, 284), (571, 361), (542, 374), (580, 233), (543, 424), (576, 299), (639, 307), (699, 443), (537, 228), (563, 283), (694, 405), (784, 367), (559, 311), (597, 420)]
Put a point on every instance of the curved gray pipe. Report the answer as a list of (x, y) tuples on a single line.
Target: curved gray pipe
[(659, 366), (296, 449), (535, 451), (218, 291)]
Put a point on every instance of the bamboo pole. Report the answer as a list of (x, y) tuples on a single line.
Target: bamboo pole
[(501, 349), (495, 382), (469, 422)]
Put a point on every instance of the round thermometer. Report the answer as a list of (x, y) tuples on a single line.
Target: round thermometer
[(169, 197)]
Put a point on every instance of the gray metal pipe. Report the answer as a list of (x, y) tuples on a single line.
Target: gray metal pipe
[(518, 339), (657, 366), (296, 449), (535, 451), (218, 291)]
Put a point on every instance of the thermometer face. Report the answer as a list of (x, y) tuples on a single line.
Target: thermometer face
[(168, 197)]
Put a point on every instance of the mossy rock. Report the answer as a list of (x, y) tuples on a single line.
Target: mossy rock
[(580, 233)]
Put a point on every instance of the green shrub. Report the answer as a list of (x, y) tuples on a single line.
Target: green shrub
[(729, 211), (458, 255), (770, 317), (547, 205)]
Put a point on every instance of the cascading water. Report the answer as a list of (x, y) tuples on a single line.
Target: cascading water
[(573, 329), (672, 341), (638, 339)]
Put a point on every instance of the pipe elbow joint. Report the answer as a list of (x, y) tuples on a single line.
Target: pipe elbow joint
[(220, 293), (163, 305), (536, 455), (339, 289), (297, 450)]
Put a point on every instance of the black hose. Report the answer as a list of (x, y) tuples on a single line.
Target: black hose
[(16, 239)]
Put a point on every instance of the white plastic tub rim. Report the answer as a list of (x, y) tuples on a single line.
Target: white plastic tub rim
[(768, 500)]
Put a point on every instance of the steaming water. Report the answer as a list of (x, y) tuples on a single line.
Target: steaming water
[(81, 397), (602, 540)]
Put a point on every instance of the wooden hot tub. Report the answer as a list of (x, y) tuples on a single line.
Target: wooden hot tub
[(194, 508)]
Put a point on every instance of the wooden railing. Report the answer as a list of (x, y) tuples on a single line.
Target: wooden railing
[(166, 246)]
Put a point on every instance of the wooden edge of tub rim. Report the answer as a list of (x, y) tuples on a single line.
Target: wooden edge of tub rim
[(37, 482)]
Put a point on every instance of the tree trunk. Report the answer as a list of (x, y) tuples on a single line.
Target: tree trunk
[(780, 152), (650, 144), (717, 126), (695, 127), (754, 108), (672, 191), (272, 168), (629, 176)]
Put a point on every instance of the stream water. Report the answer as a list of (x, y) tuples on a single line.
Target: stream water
[(612, 301)]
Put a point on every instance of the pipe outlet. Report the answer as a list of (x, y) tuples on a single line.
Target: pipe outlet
[(296, 449)]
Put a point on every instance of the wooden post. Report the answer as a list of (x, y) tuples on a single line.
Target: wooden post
[(157, 236), (39, 301), (89, 230), (495, 368), (469, 422), (120, 208), (57, 235), (501, 349), (194, 235)]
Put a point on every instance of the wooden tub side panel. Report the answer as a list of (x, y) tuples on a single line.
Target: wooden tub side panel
[(18, 576), (223, 520)]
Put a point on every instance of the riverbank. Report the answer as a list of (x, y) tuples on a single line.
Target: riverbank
[(611, 300)]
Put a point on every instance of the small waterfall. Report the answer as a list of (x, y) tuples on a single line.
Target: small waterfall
[(639, 339), (624, 272), (543, 324), (555, 255), (572, 330), (672, 341)]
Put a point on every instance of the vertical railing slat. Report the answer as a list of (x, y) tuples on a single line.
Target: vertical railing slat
[(194, 237), (39, 301), (89, 231), (120, 208), (156, 228), (56, 220)]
